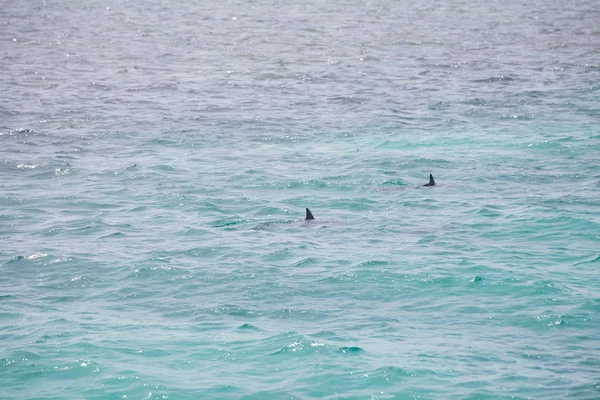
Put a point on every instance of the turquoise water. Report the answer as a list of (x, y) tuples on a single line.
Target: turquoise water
[(157, 159)]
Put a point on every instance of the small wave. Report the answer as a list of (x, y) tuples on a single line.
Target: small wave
[(248, 327), (165, 142), (304, 345), (76, 365), (144, 271), (440, 105), (476, 101), (36, 256), (373, 263), (27, 166), (59, 260), (314, 184), (115, 234), (300, 346), (393, 373), (226, 222), (269, 76), (546, 144), (191, 232), (347, 100), (20, 132), (446, 281), (345, 277), (233, 310), (551, 320), (39, 257), (517, 116), (60, 171), (306, 262), (589, 261), (14, 259), (162, 167), (493, 79), (220, 389), (350, 350), (326, 335), (489, 212)]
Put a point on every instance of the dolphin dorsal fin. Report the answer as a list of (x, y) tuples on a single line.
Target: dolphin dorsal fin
[(431, 181), (309, 214)]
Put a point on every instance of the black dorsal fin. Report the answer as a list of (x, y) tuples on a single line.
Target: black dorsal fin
[(309, 214), (431, 181)]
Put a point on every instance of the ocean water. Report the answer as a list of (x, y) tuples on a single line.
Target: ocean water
[(157, 157)]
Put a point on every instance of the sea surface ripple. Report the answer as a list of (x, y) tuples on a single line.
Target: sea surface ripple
[(157, 157)]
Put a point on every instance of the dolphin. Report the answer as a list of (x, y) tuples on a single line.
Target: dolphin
[(311, 220), (308, 220), (431, 182), (309, 215)]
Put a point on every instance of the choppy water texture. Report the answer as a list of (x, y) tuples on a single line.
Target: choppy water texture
[(157, 158)]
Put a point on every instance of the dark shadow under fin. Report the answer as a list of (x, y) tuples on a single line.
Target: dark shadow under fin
[(431, 181), (309, 214)]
